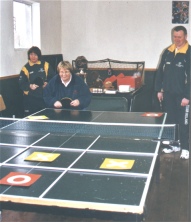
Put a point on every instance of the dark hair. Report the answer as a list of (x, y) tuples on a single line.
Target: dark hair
[(36, 50), (81, 62), (180, 28)]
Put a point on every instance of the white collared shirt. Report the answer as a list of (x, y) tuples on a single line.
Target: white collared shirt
[(66, 84)]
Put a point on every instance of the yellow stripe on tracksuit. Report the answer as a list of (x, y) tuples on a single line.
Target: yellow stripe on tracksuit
[(26, 72), (46, 66)]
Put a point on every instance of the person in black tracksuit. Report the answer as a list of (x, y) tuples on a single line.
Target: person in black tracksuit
[(67, 85), (33, 78), (173, 87)]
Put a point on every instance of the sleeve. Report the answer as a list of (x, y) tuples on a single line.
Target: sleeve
[(49, 93), (187, 86), (160, 73), (49, 71), (24, 80), (85, 95)]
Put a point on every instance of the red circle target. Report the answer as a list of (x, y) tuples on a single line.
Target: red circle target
[(19, 179)]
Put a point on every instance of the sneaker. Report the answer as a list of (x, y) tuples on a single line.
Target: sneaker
[(184, 154), (171, 149)]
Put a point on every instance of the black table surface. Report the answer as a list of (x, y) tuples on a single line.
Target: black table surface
[(75, 179)]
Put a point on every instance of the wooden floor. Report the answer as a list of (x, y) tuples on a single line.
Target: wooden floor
[(167, 201)]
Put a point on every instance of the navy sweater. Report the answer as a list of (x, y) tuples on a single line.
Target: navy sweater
[(76, 89)]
